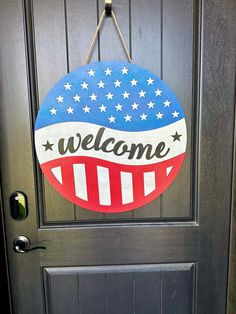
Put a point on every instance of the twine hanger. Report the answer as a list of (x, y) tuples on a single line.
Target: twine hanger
[(108, 11)]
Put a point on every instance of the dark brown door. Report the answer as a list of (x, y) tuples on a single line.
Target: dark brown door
[(168, 257)]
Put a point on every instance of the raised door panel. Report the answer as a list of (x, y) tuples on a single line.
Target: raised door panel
[(130, 289)]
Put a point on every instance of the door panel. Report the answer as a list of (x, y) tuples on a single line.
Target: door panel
[(179, 64), (171, 46), (121, 289), (177, 246), (50, 48)]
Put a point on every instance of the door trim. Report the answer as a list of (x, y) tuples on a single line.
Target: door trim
[(231, 293), (5, 291)]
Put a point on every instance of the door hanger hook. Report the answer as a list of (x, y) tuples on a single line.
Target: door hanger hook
[(108, 7)]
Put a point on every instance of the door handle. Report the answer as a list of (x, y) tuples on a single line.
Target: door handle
[(22, 244)]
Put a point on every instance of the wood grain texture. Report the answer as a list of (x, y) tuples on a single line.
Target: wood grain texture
[(146, 24), (147, 292), (16, 151), (216, 147), (232, 266), (50, 41), (82, 19), (119, 244), (120, 292), (146, 51), (92, 293), (178, 38), (176, 292), (128, 289), (231, 298), (110, 45), (61, 293), (159, 51)]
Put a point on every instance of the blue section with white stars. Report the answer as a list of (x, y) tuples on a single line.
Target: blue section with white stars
[(114, 94)]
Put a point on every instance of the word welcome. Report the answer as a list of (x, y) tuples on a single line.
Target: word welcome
[(98, 142)]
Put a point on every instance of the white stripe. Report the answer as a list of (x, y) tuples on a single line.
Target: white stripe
[(104, 186), (57, 173), (168, 170), (80, 181), (53, 133), (149, 182), (126, 187)]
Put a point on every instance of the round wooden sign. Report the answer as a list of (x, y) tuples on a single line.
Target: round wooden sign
[(110, 136)]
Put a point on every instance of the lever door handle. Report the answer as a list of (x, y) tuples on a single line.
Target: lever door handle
[(22, 244)]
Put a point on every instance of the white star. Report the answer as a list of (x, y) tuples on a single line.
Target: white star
[(112, 119), (91, 72), (101, 84), (70, 110), (125, 95), (117, 83), (127, 118), (143, 116), (67, 86), (135, 106), (102, 108), (158, 92), (159, 115), (60, 99), (124, 70), (109, 96), (53, 111), (93, 97), (150, 81), (175, 114), (151, 104), (84, 85), (108, 71), (86, 109), (118, 107), (133, 82), (142, 94), (167, 103), (77, 98)]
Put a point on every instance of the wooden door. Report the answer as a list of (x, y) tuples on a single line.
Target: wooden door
[(169, 256)]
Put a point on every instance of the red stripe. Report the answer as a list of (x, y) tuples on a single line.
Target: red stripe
[(68, 177), (92, 183), (115, 187)]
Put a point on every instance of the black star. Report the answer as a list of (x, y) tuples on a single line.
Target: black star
[(176, 137), (48, 146)]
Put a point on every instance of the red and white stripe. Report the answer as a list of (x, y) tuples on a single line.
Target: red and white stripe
[(104, 186)]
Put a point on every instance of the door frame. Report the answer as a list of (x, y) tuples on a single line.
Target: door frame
[(5, 290), (4, 283), (231, 294)]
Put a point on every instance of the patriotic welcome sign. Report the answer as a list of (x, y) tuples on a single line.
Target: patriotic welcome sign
[(110, 136)]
